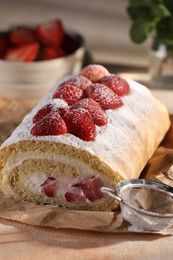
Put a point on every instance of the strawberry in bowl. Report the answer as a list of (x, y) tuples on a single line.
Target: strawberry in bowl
[(33, 58), (44, 41)]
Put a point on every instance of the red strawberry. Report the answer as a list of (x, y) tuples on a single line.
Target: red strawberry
[(52, 124), (94, 109), (75, 198), (78, 81), (94, 72), (80, 123), (22, 35), (69, 93), (23, 53), (91, 188), (49, 186), (44, 111), (50, 33), (63, 110), (105, 97), (61, 107), (117, 84), (52, 53)]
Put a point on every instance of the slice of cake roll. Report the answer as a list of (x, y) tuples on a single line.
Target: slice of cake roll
[(91, 130)]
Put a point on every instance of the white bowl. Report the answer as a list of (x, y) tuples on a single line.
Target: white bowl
[(34, 79)]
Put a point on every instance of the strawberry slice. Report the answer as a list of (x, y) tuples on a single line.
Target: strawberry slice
[(94, 72), (52, 124), (104, 96), (80, 123), (50, 33), (75, 198), (23, 53), (94, 109), (51, 53), (91, 188), (60, 106), (69, 93), (78, 81), (22, 35), (117, 84), (49, 186)]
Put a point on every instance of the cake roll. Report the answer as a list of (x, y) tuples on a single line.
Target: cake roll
[(92, 130)]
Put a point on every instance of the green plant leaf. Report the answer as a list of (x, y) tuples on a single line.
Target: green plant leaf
[(160, 11), (151, 15), (164, 28), (140, 30), (135, 11), (169, 5)]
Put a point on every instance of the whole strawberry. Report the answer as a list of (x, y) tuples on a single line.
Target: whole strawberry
[(69, 93), (52, 124), (80, 123), (104, 96), (78, 81), (57, 105), (117, 84), (94, 72), (94, 109)]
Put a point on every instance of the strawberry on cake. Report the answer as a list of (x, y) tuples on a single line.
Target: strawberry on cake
[(91, 130)]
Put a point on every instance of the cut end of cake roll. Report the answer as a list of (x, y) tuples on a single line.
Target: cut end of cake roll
[(57, 174), (92, 130)]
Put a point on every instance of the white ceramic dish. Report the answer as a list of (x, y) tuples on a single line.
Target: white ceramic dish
[(34, 79)]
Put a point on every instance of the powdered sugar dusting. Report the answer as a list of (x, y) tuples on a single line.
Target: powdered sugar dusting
[(58, 102), (69, 93), (104, 96), (117, 84), (127, 125)]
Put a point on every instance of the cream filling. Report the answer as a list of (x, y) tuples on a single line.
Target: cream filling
[(64, 184), (34, 182)]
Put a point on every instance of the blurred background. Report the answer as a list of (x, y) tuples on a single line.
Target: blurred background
[(103, 23)]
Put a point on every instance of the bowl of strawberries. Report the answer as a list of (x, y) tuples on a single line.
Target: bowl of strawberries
[(33, 58)]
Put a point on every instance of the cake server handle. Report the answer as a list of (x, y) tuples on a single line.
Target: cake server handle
[(110, 192)]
